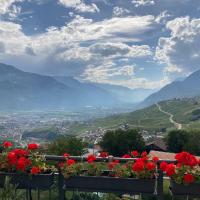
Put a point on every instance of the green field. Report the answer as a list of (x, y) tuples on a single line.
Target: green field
[(150, 118)]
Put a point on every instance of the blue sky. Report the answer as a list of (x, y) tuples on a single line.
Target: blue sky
[(134, 43)]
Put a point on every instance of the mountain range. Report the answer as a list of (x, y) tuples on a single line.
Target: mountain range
[(186, 88), (21, 90)]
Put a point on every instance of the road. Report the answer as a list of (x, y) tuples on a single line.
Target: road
[(171, 116)]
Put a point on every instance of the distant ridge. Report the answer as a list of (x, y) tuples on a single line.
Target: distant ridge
[(187, 88)]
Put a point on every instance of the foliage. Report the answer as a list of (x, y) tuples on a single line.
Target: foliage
[(176, 140), (71, 145), (119, 142), (9, 192), (20, 160), (185, 171), (182, 140), (141, 167)]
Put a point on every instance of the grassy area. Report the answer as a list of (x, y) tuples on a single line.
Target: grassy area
[(148, 118)]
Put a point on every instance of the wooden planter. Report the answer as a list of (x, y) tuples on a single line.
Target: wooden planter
[(110, 184), (180, 189), (27, 181)]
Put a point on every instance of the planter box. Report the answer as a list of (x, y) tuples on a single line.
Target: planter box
[(25, 181), (180, 189), (110, 184)]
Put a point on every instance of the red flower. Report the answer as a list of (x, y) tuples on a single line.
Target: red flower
[(35, 170), (22, 164), (138, 166), (33, 146), (66, 155), (70, 162), (144, 154), (126, 156), (7, 144), (135, 153), (21, 152), (186, 159), (91, 158), (112, 165), (150, 166), (103, 154), (61, 164), (155, 159), (12, 158), (163, 166), (188, 178), (170, 170)]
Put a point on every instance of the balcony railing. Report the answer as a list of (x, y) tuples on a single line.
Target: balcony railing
[(62, 187)]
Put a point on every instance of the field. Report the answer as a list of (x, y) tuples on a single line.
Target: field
[(184, 111)]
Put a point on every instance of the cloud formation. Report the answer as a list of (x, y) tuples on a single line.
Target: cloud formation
[(181, 50)]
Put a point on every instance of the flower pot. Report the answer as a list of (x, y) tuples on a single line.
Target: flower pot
[(28, 181), (110, 184), (181, 189)]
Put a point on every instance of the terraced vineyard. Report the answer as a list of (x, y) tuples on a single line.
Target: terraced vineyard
[(184, 111)]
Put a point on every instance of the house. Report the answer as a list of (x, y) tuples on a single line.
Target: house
[(158, 145)]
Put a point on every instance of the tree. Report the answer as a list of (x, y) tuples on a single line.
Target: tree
[(71, 145), (176, 140), (120, 142), (193, 143)]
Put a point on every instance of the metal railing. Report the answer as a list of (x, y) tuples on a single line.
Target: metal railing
[(159, 180)]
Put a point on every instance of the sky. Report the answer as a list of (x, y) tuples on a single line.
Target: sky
[(133, 43)]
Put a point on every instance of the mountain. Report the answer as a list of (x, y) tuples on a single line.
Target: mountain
[(21, 90), (87, 93), (96, 90), (189, 87), (125, 94)]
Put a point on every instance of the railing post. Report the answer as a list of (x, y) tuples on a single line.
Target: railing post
[(160, 185), (60, 186)]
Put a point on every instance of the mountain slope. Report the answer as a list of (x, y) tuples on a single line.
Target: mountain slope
[(186, 88), (21, 90), (184, 111), (87, 93)]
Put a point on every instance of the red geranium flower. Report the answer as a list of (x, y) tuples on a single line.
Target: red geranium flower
[(33, 146), (138, 166), (7, 144), (150, 166), (70, 162), (103, 154), (35, 170), (126, 156), (22, 163), (163, 166), (12, 158), (21, 152), (91, 158), (188, 178), (170, 170), (155, 159), (66, 155), (144, 154), (135, 153)]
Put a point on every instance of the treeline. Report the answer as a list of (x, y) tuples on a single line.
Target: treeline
[(184, 140), (120, 142)]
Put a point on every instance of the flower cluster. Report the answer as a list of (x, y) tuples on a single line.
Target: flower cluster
[(21, 160), (140, 167), (185, 171)]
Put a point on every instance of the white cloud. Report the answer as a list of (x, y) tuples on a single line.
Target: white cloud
[(6, 4), (119, 11), (139, 3), (109, 73), (74, 46), (181, 50), (80, 6), (162, 17)]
